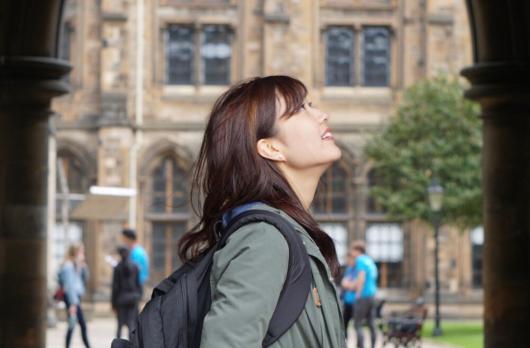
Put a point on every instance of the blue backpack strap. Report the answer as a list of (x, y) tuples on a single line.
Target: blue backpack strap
[(297, 286)]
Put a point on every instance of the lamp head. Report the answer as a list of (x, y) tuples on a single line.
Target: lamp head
[(436, 193)]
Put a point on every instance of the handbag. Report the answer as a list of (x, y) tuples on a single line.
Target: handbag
[(59, 294)]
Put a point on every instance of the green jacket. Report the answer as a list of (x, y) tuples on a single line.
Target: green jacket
[(246, 280)]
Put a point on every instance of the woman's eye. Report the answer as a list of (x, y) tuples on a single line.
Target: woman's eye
[(306, 105)]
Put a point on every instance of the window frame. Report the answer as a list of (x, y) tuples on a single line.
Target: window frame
[(358, 51), (347, 218), (384, 280), (362, 63), (166, 35), (354, 46), (171, 219), (198, 73)]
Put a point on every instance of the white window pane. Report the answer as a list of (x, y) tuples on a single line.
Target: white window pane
[(385, 242), (477, 236), (339, 234)]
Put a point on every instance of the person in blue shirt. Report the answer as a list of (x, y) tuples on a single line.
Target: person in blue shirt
[(73, 277), (137, 254), (366, 289), (348, 291)]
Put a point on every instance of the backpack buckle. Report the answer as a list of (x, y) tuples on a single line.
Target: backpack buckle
[(218, 230)]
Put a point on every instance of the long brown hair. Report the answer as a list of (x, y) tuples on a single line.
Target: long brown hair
[(229, 172)]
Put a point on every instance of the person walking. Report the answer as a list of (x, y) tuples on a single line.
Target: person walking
[(348, 285), (126, 291), (366, 289), (73, 277), (265, 147), (137, 254)]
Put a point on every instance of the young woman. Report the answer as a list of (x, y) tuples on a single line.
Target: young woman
[(265, 146), (73, 277)]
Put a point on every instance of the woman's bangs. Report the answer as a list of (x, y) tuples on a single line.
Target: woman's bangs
[(293, 93)]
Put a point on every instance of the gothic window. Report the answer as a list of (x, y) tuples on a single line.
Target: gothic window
[(216, 53), (331, 207), (168, 213), (65, 41), (209, 64), (372, 205), (376, 56), (339, 56), (169, 188), (331, 197), (72, 183), (180, 53), (75, 179), (165, 236), (384, 243), (477, 256), (345, 60)]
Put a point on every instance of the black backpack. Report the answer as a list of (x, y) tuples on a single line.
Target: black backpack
[(174, 316)]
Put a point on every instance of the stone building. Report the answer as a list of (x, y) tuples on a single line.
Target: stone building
[(145, 74)]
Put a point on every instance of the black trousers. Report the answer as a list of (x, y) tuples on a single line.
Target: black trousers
[(347, 316), (365, 310), (71, 325), (127, 315)]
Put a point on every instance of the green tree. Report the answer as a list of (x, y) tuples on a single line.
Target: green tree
[(435, 133)]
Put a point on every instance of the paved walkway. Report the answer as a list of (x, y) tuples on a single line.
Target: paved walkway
[(102, 330)]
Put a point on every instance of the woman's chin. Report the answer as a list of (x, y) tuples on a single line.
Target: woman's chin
[(336, 154)]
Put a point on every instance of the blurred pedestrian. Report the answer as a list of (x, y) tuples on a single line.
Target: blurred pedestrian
[(348, 286), (126, 291), (366, 289), (73, 277), (138, 255)]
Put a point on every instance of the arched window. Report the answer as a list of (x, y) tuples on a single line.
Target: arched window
[(74, 174), (332, 206), (385, 240), (332, 194), (170, 188), (372, 205), (477, 256), (168, 213), (72, 183)]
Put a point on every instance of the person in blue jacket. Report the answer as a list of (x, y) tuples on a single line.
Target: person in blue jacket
[(366, 289), (138, 255), (348, 291), (73, 277)]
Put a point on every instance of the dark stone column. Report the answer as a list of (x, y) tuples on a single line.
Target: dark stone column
[(24, 112), (30, 77), (500, 81)]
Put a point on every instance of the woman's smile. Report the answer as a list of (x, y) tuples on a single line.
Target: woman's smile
[(327, 135)]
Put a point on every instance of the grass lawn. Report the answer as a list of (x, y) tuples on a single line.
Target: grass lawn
[(462, 334)]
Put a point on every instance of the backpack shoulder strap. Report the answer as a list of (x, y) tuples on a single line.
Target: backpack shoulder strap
[(296, 288)]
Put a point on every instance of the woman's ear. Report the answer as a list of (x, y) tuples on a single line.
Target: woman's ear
[(268, 149)]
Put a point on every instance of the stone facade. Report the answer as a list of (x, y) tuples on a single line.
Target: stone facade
[(126, 119)]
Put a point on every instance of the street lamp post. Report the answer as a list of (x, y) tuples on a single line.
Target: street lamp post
[(436, 193)]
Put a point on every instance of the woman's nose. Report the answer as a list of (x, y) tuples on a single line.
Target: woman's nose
[(323, 116)]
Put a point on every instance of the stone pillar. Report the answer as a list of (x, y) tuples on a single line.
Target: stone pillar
[(30, 77), (500, 81), (27, 85)]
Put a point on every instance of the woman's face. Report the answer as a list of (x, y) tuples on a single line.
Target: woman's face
[(305, 139)]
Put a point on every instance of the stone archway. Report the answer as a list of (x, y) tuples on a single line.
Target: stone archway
[(30, 76), (500, 81)]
